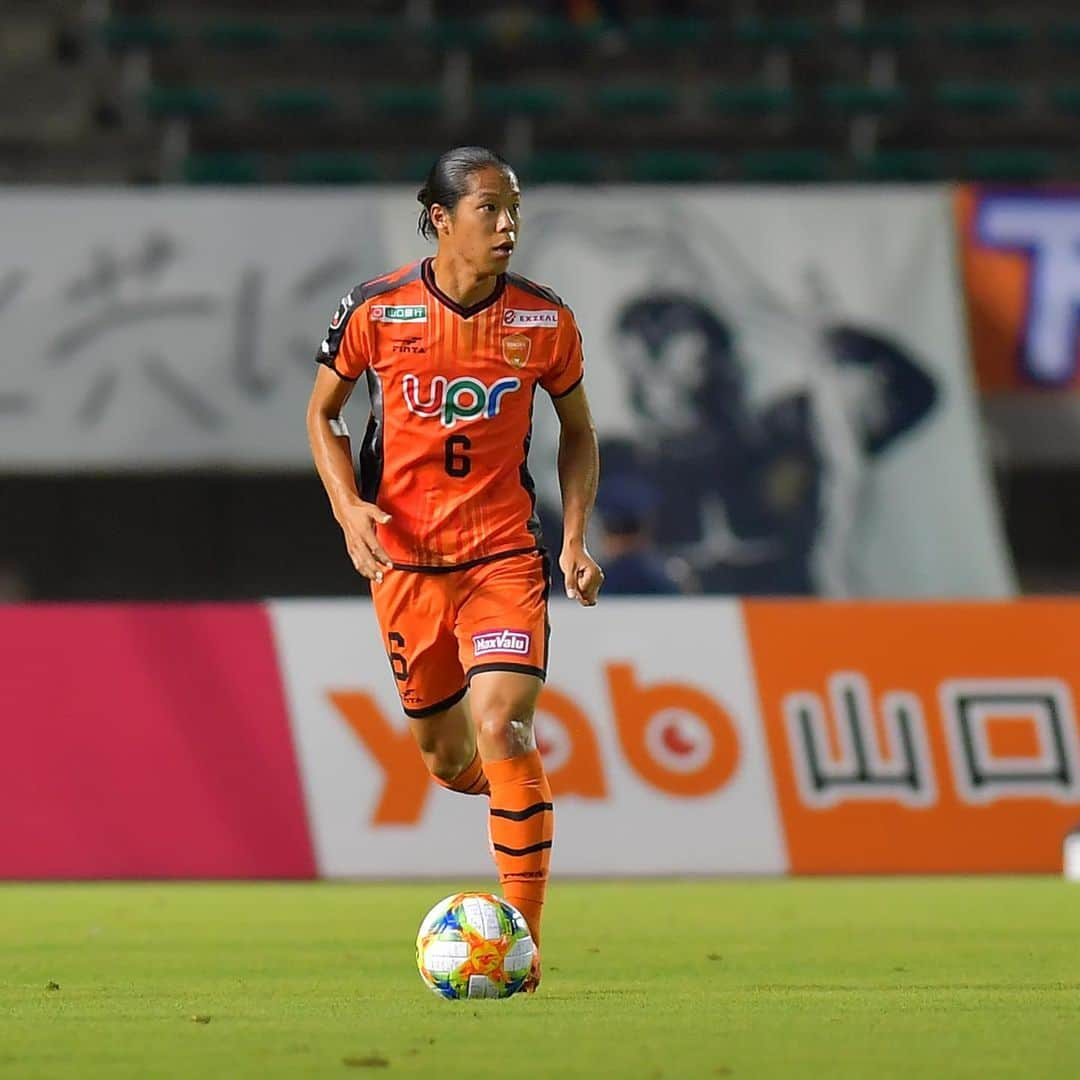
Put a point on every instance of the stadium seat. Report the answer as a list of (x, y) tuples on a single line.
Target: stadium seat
[(1066, 97), (324, 167), (985, 34), (894, 33), (1065, 34), (656, 166), (223, 168), (136, 33), (859, 98), (425, 100), (752, 98), (352, 34), (1008, 164), (635, 98), (901, 165), (190, 101), (549, 33), (241, 36), (790, 165), (774, 33), (520, 99), (978, 97), (458, 33), (295, 102), (562, 166), (650, 33)]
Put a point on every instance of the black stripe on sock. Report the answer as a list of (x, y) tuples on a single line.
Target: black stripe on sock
[(521, 815), (522, 851), (473, 788)]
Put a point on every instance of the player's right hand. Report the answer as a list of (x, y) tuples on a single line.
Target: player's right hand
[(358, 522)]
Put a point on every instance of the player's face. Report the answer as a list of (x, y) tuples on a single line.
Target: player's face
[(484, 226)]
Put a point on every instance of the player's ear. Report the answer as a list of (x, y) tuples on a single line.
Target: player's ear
[(440, 218)]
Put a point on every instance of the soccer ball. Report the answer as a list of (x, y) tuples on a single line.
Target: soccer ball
[(474, 945)]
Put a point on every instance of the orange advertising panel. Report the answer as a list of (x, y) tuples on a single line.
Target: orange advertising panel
[(1020, 257), (921, 737)]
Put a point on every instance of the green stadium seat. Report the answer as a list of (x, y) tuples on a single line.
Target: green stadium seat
[(984, 34), (635, 98), (978, 97), (563, 166), (521, 99), (1065, 34), (458, 33), (781, 165), (894, 33), (673, 166), (856, 98), (241, 36), (189, 101), (902, 165), (353, 34), (774, 33), (550, 33), (417, 100), (650, 33), (136, 33), (752, 98), (223, 168), (1009, 164), (295, 101), (1066, 98), (328, 167)]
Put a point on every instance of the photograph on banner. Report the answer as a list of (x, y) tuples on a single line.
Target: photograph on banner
[(656, 756), (1020, 254)]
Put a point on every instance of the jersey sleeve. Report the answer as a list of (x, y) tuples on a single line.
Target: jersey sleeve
[(346, 349), (567, 365)]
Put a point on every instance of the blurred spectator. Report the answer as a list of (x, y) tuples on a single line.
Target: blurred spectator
[(631, 566), (14, 588)]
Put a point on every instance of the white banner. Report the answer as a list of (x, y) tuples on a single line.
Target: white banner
[(780, 379), (657, 758)]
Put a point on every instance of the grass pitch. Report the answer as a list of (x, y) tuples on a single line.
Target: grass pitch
[(816, 978)]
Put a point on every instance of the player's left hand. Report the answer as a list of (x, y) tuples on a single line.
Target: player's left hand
[(581, 572)]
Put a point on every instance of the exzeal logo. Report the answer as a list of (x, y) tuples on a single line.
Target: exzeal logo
[(464, 398)]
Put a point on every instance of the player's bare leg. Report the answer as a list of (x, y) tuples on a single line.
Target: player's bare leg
[(447, 742), (521, 819)]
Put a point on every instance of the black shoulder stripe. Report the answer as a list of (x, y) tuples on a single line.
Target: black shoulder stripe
[(378, 286), (537, 290)]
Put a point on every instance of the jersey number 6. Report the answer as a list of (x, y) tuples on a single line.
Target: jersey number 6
[(457, 462)]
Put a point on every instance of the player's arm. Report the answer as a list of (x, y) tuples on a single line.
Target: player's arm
[(333, 459), (579, 473)]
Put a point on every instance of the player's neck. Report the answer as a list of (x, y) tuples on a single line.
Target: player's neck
[(461, 283)]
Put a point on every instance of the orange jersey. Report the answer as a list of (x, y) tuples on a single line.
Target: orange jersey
[(447, 441)]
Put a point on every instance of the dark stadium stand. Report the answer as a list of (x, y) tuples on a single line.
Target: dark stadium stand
[(342, 92)]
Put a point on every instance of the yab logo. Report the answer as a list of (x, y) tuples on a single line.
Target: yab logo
[(675, 737)]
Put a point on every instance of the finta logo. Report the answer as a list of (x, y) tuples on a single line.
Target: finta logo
[(465, 398), (410, 313), (521, 318), (502, 641)]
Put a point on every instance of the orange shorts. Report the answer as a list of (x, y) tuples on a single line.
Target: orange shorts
[(441, 628)]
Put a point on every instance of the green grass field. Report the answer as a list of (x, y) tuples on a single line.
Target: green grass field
[(816, 978)]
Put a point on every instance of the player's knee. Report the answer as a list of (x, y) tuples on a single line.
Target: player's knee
[(506, 724)]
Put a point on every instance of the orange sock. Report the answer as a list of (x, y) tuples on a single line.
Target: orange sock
[(522, 825), (470, 781)]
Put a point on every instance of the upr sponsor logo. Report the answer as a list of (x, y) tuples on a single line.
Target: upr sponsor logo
[(464, 398), (406, 314), (517, 642), (520, 318)]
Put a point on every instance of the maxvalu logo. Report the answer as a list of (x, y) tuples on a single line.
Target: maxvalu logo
[(464, 398), (408, 313), (502, 641)]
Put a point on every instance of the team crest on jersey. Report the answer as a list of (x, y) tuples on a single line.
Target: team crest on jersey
[(524, 318), (516, 349), (407, 313)]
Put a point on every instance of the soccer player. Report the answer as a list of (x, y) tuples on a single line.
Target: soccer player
[(453, 349)]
